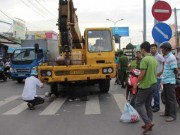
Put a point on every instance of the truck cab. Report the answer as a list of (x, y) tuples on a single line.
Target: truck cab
[(24, 60)]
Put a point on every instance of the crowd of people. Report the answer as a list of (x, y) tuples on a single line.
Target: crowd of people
[(156, 69)]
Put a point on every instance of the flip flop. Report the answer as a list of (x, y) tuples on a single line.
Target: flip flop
[(162, 114), (170, 119)]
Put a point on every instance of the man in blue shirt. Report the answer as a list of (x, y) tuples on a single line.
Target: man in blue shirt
[(168, 80)]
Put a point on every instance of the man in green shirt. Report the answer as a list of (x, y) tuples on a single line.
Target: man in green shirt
[(123, 65), (146, 84)]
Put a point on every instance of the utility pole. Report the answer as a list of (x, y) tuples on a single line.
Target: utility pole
[(176, 27), (155, 22), (144, 20)]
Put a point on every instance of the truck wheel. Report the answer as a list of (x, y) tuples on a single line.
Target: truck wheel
[(19, 80), (104, 85), (4, 78), (54, 89)]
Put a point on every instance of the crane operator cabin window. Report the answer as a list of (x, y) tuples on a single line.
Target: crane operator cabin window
[(99, 41)]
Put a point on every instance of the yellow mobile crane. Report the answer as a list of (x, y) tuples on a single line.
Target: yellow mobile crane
[(81, 59)]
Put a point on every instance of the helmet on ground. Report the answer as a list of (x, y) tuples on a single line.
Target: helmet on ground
[(34, 72), (166, 45)]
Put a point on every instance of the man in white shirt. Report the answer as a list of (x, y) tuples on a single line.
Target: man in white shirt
[(29, 91), (160, 60), (178, 56)]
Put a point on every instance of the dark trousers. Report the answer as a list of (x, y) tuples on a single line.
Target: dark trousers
[(143, 103), (123, 76), (156, 94), (36, 101), (170, 99)]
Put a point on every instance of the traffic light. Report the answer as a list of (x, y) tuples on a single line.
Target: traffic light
[(117, 37)]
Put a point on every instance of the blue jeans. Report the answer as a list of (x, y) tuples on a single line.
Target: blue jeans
[(156, 94)]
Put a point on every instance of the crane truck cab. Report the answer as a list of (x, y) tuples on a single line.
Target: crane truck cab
[(88, 59)]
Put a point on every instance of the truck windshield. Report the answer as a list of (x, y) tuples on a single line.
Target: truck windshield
[(99, 41), (23, 54)]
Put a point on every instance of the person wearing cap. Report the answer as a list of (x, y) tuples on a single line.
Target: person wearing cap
[(178, 56), (169, 81), (29, 91)]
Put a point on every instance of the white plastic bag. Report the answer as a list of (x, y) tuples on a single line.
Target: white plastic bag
[(130, 115)]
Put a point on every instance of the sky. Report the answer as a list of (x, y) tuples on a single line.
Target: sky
[(43, 15)]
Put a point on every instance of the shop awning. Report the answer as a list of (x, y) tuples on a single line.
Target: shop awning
[(11, 47)]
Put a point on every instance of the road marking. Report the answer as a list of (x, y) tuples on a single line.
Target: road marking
[(162, 33), (92, 106), (18, 109), (161, 11), (10, 99), (53, 107), (120, 100)]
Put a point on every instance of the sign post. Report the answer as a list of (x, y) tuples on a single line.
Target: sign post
[(161, 11)]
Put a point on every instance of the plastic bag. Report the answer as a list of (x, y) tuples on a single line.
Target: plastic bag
[(130, 115)]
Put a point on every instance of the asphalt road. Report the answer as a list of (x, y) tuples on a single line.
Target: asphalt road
[(97, 116)]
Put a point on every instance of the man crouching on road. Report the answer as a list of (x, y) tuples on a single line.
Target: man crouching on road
[(146, 84), (29, 91)]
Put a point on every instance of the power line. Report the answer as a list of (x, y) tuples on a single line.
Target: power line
[(44, 7), (5, 14), (42, 15)]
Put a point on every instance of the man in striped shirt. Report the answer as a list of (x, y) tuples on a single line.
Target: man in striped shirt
[(168, 80)]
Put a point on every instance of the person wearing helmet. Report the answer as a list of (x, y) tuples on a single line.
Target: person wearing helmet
[(168, 80), (29, 91)]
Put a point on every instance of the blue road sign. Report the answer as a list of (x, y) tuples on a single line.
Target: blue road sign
[(161, 32), (120, 31)]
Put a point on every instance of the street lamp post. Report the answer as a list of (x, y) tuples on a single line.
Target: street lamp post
[(144, 20), (115, 22), (176, 26)]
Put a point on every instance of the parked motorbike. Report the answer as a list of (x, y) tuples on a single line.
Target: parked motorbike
[(7, 71), (2, 74), (132, 80)]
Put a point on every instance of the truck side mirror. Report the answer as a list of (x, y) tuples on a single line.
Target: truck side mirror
[(36, 47)]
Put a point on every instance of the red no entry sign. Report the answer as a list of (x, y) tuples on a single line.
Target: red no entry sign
[(161, 10)]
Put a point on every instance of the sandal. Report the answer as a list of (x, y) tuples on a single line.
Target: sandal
[(162, 114), (144, 126), (170, 119), (30, 106)]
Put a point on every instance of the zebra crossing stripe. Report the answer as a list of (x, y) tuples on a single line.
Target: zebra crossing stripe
[(10, 99), (18, 109), (120, 100), (92, 106), (53, 107)]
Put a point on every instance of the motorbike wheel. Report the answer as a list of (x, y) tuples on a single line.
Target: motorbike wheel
[(19, 80), (132, 99), (5, 78)]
